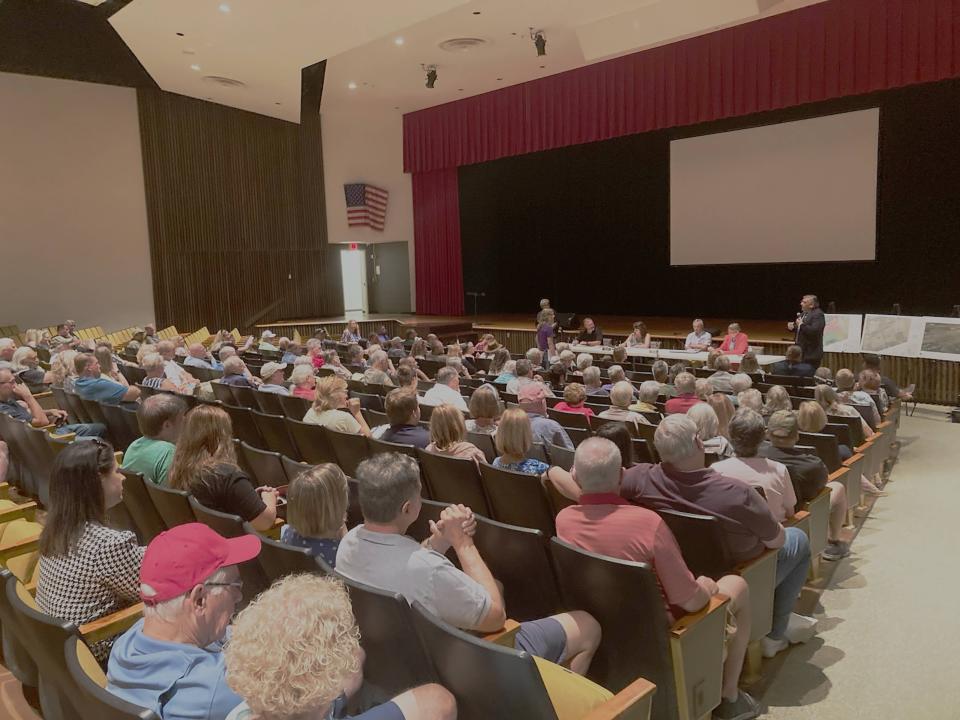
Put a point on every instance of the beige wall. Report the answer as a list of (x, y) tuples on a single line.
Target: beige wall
[(73, 223), (365, 146)]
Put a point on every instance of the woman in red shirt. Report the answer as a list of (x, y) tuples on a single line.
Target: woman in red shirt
[(574, 395), (735, 342)]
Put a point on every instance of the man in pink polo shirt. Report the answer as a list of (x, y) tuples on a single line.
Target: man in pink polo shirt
[(686, 385), (605, 523)]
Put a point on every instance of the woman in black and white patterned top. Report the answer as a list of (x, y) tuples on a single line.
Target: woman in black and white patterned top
[(87, 570)]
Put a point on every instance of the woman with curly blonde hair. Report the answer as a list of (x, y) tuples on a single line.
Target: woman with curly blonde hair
[(777, 399), (294, 654), (62, 369)]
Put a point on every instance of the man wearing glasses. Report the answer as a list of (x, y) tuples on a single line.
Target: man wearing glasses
[(17, 402)]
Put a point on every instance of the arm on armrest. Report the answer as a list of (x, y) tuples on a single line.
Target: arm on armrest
[(112, 624), (619, 705), (504, 636), (687, 622)]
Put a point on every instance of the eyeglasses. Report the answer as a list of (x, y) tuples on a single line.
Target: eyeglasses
[(238, 585)]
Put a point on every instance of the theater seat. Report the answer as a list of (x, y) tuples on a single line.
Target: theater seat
[(454, 480), (91, 698), (277, 559), (517, 498)]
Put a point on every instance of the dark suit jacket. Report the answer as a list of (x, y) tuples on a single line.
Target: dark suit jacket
[(800, 369), (810, 335)]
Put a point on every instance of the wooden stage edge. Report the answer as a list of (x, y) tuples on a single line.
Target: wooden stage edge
[(937, 381)]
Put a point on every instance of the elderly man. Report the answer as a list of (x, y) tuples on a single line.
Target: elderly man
[(17, 402), (794, 364), (272, 375), (91, 385), (291, 353), (150, 334), (199, 356), (808, 473), (532, 399), (535, 357), (592, 382), (525, 375), (265, 342), (848, 394), (603, 522), (64, 338), (380, 371), (620, 398), (872, 361), (698, 340), (379, 553), (446, 390), (329, 665), (403, 414), (809, 326), (722, 377), (160, 418), (649, 392), (686, 385), (235, 373), (661, 373), (172, 661), (185, 382), (7, 349)]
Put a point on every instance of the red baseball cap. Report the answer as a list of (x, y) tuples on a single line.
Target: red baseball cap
[(181, 558)]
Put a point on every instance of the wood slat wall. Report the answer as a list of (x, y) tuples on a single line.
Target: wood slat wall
[(236, 211)]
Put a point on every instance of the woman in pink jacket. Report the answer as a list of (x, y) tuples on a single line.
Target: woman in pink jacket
[(735, 342)]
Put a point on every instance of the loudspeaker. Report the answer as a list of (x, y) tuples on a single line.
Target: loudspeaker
[(568, 321)]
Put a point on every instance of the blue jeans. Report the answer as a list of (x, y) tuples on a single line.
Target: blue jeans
[(793, 559), (82, 429)]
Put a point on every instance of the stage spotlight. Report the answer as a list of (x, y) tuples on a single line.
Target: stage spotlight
[(431, 75), (539, 41)]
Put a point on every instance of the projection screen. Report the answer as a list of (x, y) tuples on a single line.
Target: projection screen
[(803, 191)]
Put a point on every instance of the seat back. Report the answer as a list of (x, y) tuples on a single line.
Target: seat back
[(293, 406), (517, 499), (841, 432), (244, 426), (488, 680), (120, 431), (643, 451), (266, 466), (382, 446), (93, 700), (569, 419), (484, 441), (171, 505), (76, 408), (454, 480), (39, 459), (274, 431), (244, 397), (519, 558), (826, 446), (278, 559), (292, 468), (140, 507), (60, 398), (577, 435), (854, 428), (95, 413), (866, 412), (560, 456), (701, 541), (133, 374), (222, 393), (268, 402), (624, 598), (396, 658), (311, 441), (350, 449), (16, 657)]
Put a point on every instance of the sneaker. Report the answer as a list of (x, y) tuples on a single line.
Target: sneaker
[(743, 708), (771, 647), (835, 551), (800, 628)]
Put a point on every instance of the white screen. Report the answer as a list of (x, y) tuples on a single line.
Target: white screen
[(802, 191)]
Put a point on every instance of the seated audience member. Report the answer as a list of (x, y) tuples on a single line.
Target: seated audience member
[(485, 410), (648, 393), (615, 374), (751, 399), (826, 396), (63, 339), (823, 375), (407, 378), (205, 465), (619, 355), (150, 334), (315, 352), (809, 476), (171, 661), (331, 361), (355, 359), (108, 366), (532, 400), (793, 365), (63, 369), (26, 366), (90, 386), (620, 399), (160, 418), (34, 338), (545, 333), (777, 399), (8, 348), (574, 397), (87, 570), (708, 430), (590, 333), (592, 384), (403, 413), (524, 371), (871, 385), (514, 441), (603, 522), (147, 348), (749, 364), (380, 370), (235, 373), (704, 389), (335, 410), (419, 349), (464, 363), (722, 377), (665, 376), (740, 382), (621, 437), (18, 402), (723, 406), (410, 363), (446, 390), (291, 352), (584, 360), (735, 342), (848, 394), (304, 382), (272, 375), (396, 350), (894, 391), (567, 360), (185, 382), (712, 356), (317, 502), (379, 553), (199, 356), (698, 340), (318, 621), (639, 337), (447, 435), (812, 418), (686, 385), (535, 357), (266, 342), (482, 344)]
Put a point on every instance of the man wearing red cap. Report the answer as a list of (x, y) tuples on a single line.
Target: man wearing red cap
[(171, 661)]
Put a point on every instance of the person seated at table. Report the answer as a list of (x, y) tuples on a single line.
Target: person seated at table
[(735, 342), (639, 337), (592, 383), (749, 364), (574, 399), (590, 333), (334, 409), (205, 465), (722, 377), (648, 393), (708, 430), (793, 364), (304, 382), (777, 399), (686, 384), (447, 435), (317, 502), (620, 399), (485, 410), (698, 340)]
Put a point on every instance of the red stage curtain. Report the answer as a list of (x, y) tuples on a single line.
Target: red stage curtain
[(824, 51), (436, 235)]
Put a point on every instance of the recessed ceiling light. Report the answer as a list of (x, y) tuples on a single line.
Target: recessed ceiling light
[(352, 85), (542, 67), (459, 89), (396, 107), (398, 40), (194, 67), (476, 12), (276, 103), (189, 51), (179, 34), (499, 78), (224, 8)]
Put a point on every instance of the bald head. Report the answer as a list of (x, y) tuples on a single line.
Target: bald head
[(166, 349), (597, 466), (197, 350)]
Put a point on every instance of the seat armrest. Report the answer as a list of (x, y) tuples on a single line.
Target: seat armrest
[(687, 622), (112, 624), (837, 474), (633, 702), (274, 532), (738, 569), (17, 549), (504, 636), (797, 518), (852, 460), (862, 449), (25, 510), (4, 491), (69, 437)]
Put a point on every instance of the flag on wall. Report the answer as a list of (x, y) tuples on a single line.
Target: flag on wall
[(366, 205)]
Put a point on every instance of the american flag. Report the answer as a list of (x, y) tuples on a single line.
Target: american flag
[(366, 205)]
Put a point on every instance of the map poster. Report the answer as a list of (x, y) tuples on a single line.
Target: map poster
[(842, 333), (941, 339), (898, 335)]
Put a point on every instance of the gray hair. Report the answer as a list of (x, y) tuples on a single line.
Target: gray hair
[(227, 351), (233, 365), (301, 372), (660, 370), (6, 343), (524, 368), (722, 363), (591, 375), (304, 360), (313, 343), (597, 464), (584, 360), (534, 356), (750, 399), (621, 394), (685, 383), (387, 481), (152, 360), (676, 438), (746, 432), (168, 610), (446, 374), (378, 357), (616, 373), (708, 424), (455, 362), (649, 391), (740, 382)]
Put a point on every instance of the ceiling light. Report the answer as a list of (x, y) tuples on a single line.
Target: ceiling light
[(539, 41), (194, 67), (224, 8), (352, 85), (431, 71), (398, 41), (476, 12)]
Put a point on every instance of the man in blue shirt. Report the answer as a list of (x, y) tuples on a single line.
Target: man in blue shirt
[(199, 356), (17, 402), (90, 386), (171, 661), (532, 397), (403, 412)]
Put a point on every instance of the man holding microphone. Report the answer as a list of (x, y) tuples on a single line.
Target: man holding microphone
[(809, 328)]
